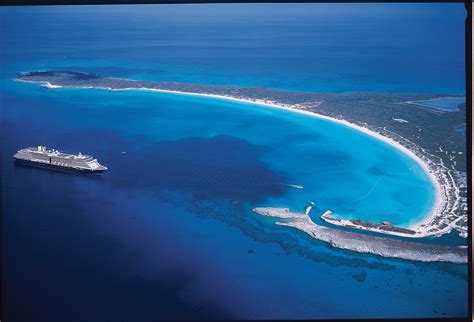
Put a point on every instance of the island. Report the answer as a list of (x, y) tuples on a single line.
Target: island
[(402, 120)]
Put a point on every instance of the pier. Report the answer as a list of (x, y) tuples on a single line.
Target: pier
[(384, 227)]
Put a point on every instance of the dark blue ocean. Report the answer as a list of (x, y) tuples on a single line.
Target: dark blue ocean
[(168, 232)]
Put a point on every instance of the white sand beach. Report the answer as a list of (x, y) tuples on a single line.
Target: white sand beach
[(422, 227)]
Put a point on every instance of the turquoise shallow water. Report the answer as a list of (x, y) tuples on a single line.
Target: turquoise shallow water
[(166, 205), (157, 236), (340, 168)]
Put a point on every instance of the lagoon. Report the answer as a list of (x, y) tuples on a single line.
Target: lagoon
[(446, 104)]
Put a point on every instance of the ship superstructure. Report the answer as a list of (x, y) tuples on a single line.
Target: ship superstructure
[(53, 159)]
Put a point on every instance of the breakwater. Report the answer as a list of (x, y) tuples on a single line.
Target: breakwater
[(362, 243)]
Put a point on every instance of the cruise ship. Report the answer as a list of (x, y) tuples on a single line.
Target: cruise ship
[(53, 159)]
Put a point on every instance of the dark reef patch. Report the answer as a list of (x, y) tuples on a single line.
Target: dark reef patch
[(74, 75), (209, 168), (378, 171), (111, 71), (360, 277)]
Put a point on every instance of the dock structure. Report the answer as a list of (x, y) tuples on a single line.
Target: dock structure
[(384, 227), (326, 213), (308, 210), (297, 186)]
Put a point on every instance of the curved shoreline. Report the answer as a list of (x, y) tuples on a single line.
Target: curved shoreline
[(419, 226), (429, 172)]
